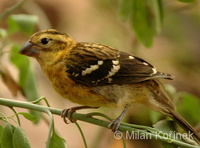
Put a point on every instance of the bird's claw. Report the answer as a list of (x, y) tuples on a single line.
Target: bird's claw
[(67, 113), (114, 124)]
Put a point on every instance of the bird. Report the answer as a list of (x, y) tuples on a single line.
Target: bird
[(96, 75)]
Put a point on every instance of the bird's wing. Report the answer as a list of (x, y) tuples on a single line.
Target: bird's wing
[(102, 65)]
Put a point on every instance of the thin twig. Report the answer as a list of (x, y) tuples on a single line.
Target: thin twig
[(12, 8), (82, 135), (51, 128), (84, 117), (18, 120)]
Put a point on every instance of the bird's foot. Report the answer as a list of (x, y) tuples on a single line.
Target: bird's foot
[(67, 113), (114, 124)]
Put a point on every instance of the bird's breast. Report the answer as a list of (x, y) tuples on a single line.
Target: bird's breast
[(73, 91)]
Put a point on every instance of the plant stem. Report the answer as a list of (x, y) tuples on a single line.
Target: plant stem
[(84, 117), (12, 8)]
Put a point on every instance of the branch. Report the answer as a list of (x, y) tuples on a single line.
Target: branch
[(147, 131), (12, 8)]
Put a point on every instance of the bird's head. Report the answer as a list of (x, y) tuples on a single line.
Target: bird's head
[(47, 43)]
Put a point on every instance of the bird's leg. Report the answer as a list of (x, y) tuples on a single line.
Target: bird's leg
[(114, 125), (67, 113)]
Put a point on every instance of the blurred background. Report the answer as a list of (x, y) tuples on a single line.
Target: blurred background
[(175, 50)]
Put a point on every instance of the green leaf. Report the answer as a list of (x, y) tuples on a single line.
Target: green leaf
[(3, 33), (56, 141), (22, 22), (20, 139), (166, 126), (189, 108), (6, 137), (155, 116), (29, 116), (1, 130), (187, 1), (171, 90), (125, 9), (168, 129), (26, 76), (146, 19), (166, 145)]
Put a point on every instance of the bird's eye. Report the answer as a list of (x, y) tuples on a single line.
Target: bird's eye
[(45, 41)]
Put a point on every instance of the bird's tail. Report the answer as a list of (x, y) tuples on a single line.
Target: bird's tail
[(167, 108), (185, 125)]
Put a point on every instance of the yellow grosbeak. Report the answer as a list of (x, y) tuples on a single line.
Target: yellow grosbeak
[(97, 75)]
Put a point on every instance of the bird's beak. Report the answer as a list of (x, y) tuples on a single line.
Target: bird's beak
[(29, 49)]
